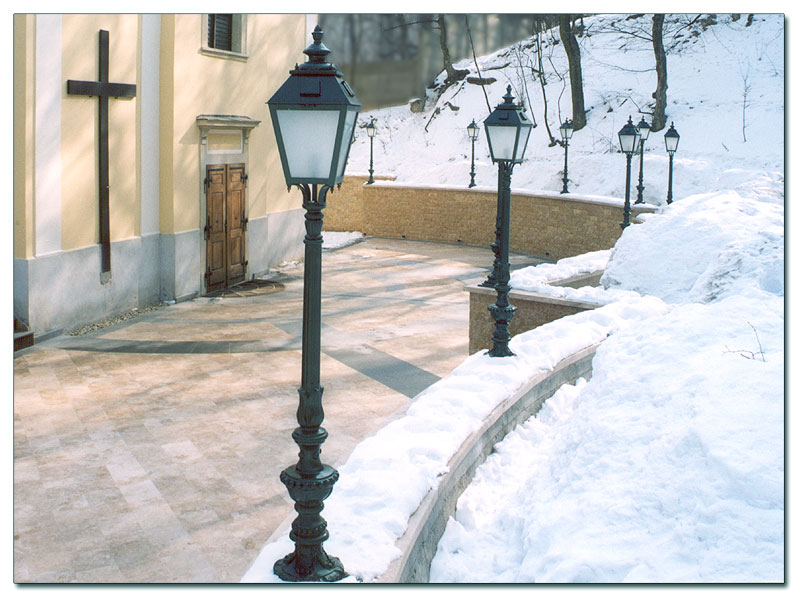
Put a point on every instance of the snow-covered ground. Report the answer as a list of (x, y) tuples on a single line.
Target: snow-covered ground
[(668, 464), (706, 78)]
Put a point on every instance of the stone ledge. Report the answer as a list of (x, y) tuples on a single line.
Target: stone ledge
[(426, 526), (525, 296)]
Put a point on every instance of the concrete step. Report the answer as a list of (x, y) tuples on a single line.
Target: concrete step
[(23, 337)]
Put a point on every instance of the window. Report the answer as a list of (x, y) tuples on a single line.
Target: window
[(224, 35), (220, 30)]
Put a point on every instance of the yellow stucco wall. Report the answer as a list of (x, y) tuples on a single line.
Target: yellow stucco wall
[(202, 84), (191, 83), (79, 125), (23, 135)]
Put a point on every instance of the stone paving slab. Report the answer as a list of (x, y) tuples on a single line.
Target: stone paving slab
[(150, 451)]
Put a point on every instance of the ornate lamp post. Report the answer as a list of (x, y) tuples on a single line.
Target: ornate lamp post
[(671, 139), (628, 141), (507, 131), (371, 134), (566, 130), (314, 115), (643, 128), (472, 132)]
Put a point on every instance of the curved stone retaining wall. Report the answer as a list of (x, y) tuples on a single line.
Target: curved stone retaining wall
[(533, 310), (548, 226), (426, 526)]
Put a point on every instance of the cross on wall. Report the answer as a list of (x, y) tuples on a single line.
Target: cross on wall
[(103, 89)]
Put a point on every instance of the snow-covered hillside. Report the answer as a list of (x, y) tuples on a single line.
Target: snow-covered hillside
[(708, 67)]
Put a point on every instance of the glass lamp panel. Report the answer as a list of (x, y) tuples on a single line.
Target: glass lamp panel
[(627, 141), (502, 140), (347, 138), (522, 145), (309, 139), (671, 142)]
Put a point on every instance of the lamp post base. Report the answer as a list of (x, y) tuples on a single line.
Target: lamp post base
[(502, 313), (308, 563)]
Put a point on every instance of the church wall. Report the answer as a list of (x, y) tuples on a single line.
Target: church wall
[(79, 138), (156, 180), (201, 84), (23, 135)]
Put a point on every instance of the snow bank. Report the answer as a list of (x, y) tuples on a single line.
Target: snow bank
[(332, 240), (666, 467), (703, 248), (387, 475)]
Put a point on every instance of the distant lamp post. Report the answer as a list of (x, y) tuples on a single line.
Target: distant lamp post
[(643, 128), (507, 131), (371, 133), (671, 139), (472, 132), (314, 115), (628, 141), (566, 130)]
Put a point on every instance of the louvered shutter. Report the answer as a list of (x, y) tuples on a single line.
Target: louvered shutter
[(220, 32)]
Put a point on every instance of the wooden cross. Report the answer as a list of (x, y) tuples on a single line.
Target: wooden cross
[(103, 89)]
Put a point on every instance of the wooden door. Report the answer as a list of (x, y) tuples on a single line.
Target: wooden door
[(226, 224)]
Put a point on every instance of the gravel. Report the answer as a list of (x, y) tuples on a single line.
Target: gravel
[(133, 313)]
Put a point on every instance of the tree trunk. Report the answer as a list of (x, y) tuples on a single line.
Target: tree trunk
[(355, 47), (453, 75), (543, 83), (660, 112), (575, 75)]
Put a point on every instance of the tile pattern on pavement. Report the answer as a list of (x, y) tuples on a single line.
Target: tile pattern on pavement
[(150, 451)]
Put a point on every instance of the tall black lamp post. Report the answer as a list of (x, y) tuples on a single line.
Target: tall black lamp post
[(314, 115), (472, 132), (671, 139), (371, 133), (507, 131), (628, 141), (566, 130), (643, 128)]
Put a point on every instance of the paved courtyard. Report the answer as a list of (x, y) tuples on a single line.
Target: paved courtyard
[(149, 451)]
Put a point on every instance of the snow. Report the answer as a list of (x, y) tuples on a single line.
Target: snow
[(706, 83), (668, 464), (333, 240)]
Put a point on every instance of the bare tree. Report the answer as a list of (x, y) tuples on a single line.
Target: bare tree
[(453, 74), (744, 71), (355, 31), (573, 51), (660, 95), (543, 83)]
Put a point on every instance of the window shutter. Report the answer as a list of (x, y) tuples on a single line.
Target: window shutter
[(220, 29)]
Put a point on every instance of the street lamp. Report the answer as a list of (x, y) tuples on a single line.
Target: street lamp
[(371, 134), (472, 132), (314, 115), (628, 141), (643, 128), (566, 130), (671, 139), (507, 131)]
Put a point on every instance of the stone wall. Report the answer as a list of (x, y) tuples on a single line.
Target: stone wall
[(548, 226), (532, 310)]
